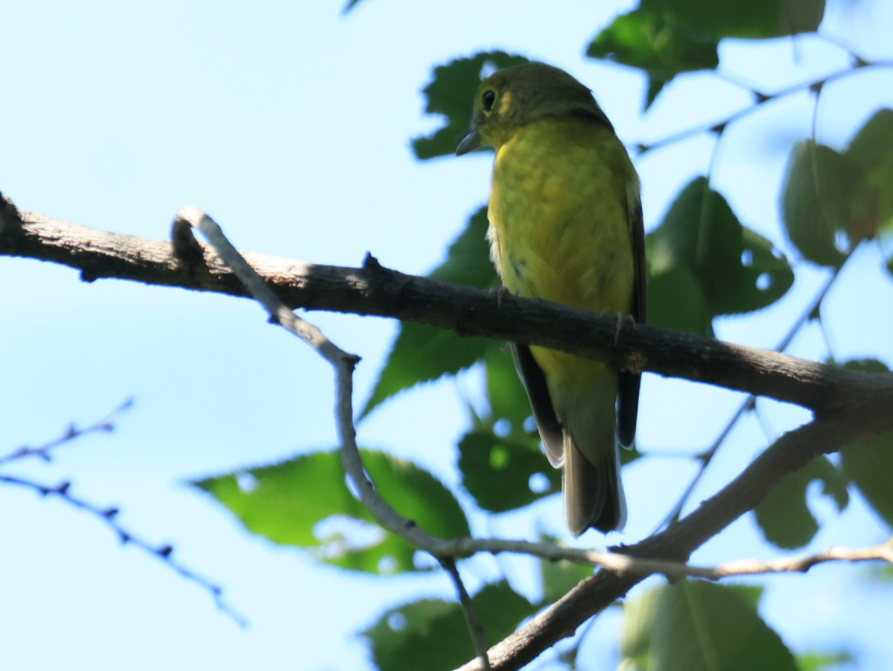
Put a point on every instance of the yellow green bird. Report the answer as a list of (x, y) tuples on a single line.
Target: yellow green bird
[(566, 226)]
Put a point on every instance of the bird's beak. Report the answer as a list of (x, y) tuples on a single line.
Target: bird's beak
[(471, 142)]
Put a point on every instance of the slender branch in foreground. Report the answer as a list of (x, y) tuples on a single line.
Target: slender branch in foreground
[(472, 621), (109, 516), (72, 432), (625, 564), (374, 290)]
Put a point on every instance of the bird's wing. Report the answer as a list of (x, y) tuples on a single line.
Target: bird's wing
[(629, 382), (541, 402)]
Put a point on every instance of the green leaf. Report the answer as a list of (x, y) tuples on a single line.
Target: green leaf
[(638, 619), (817, 196), (784, 515), (560, 577), (506, 393), (431, 634), (422, 353), (704, 263), (285, 502), (656, 84), (750, 593), (451, 94), (675, 299), (872, 151), (643, 39), (755, 19), (497, 471), (468, 257), (817, 661), (700, 626), (869, 465), (866, 366)]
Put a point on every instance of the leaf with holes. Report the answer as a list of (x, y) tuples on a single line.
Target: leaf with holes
[(305, 502), (497, 472), (675, 298), (705, 263), (784, 515)]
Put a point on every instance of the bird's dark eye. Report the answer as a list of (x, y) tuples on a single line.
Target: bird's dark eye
[(487, 100)]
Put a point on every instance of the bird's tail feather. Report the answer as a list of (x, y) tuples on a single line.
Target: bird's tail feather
[(593, 494)]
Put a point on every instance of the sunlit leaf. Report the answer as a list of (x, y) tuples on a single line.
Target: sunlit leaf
[(431, 633), (784, 515), (286, 502), (422, 353), (451, 94), (819, 661)]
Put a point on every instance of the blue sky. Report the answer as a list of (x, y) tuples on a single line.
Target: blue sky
[(290, 123)]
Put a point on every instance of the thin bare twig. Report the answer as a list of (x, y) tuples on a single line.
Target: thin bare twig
[(472, 621), (109, 516), (762, 98), (72, 432)]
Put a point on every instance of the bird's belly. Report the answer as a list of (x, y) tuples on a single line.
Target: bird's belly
[(560, 235)]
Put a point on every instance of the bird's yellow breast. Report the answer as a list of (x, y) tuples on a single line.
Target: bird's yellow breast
[(559, 223)]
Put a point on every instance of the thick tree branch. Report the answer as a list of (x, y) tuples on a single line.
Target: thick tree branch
[(374, 290)]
